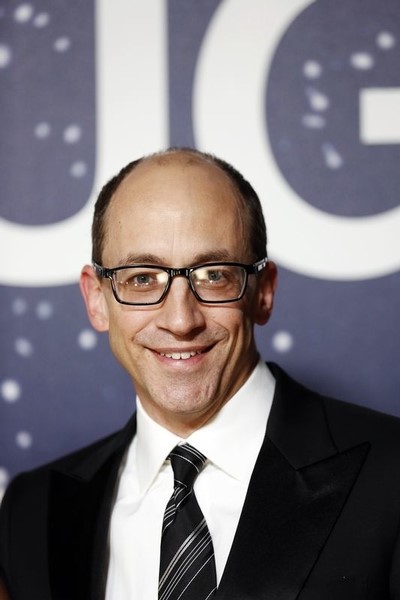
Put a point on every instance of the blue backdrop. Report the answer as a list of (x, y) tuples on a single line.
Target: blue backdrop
[(302, 96)]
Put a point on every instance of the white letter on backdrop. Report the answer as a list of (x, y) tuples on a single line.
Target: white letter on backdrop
[(131, 105), (229, 120)]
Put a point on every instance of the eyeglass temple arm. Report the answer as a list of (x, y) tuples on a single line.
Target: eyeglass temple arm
[(101, 271), (260, 265)]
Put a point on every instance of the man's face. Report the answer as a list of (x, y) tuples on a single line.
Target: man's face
[(178, 215)]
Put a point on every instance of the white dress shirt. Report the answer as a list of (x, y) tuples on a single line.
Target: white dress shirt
[(231, 441)]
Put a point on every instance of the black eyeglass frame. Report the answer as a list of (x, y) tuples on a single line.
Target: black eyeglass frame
[(253, 269)]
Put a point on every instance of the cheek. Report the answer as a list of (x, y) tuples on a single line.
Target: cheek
[(237, 324), (245, 329), (122, 331)]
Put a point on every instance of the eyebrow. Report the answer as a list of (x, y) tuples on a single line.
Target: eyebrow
[(203, 257), (136, 259)]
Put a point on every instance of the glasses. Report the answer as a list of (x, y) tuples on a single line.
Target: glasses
[(211, 283)]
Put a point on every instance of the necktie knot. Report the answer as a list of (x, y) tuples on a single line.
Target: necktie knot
[(187, 462)]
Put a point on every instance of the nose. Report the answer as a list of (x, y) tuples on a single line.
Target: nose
[(180, 313)]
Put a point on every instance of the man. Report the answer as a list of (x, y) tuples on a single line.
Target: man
[(299, 494)]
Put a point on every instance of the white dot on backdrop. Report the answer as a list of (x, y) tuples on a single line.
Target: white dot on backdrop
[(24, 439), (312, 69), (62, 44), (41, 20), (44, 310), (282, 341), (333, 159), (362, 61), (23, 13), (87, 339), (78, 169), (19, 307), (42, 130), (23, 347), (313, 121), (318, 101), (5, 56), (10, 390), (385, 40), (72, 134)]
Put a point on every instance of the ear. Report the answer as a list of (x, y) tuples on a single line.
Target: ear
[(93, 295), (264, 300)]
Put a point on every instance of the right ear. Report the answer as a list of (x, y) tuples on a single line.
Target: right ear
[(95, 300)]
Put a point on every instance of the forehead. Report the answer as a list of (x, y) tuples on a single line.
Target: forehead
[(173, 202), (162, 178)]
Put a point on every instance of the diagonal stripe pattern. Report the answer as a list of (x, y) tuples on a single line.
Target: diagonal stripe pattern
[(187, 564)]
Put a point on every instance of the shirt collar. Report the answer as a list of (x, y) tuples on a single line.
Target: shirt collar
[(225, 440), (153, 445), (233, 438)]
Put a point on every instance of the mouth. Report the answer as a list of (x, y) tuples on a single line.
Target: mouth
[(180, 355)]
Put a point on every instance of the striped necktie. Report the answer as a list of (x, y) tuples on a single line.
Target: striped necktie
[(187, 565)]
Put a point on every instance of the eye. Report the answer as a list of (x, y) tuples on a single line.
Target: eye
[(215, 276), (144, 279), (139, 279)]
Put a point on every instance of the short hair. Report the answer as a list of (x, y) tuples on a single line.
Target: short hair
[(250, 202)]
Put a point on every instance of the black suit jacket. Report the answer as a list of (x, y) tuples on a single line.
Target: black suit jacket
[(320, 520)]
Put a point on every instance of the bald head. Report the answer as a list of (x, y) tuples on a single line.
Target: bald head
[(246, 198)]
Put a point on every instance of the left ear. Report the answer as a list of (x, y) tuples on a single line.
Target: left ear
[(264, 297)]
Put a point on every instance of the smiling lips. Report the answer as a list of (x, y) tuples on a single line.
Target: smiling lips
[(179, 355)]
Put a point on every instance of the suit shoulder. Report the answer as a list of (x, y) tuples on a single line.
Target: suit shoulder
[(349, 424), (360, 413), (80, 463), (352, 422)]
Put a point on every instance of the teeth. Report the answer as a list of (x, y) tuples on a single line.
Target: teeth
[(180, 355)]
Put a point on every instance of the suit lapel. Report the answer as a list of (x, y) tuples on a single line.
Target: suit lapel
[(299, 486), (81, 492)]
